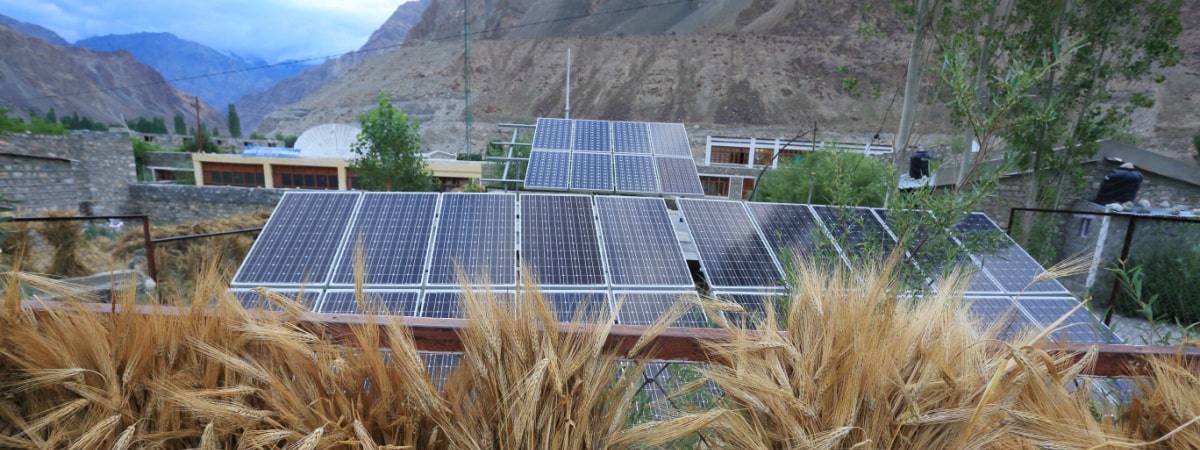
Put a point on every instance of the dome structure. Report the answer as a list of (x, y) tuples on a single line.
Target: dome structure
[(329, 141)]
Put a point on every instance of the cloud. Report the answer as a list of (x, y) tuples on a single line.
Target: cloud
[(274, 30)]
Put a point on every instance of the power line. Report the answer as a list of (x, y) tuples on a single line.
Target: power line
[(329, 57)]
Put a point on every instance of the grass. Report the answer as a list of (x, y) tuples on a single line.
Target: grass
[(847, 363)]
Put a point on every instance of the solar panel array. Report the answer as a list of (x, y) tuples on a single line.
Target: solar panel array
[(603, 156)]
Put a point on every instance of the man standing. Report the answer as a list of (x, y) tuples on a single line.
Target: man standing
[(1120, 185)]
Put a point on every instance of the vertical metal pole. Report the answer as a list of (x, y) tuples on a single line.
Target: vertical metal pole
[(150, 264), (467, 78), (568, 111), (1112, 296), (199, 126)]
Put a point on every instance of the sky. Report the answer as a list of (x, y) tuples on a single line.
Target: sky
[(272, 30)]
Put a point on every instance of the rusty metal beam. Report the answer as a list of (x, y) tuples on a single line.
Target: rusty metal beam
[(686, 344)]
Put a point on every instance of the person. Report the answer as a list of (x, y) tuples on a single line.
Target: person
[(918, 164), (1120, 185)]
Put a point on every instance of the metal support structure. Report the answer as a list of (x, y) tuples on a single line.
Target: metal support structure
[(145, 219), (568, 94), (467, 80)]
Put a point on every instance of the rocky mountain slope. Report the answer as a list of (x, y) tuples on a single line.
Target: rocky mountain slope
[(35, 75), (34, 30), (253, 106), (184, 63)]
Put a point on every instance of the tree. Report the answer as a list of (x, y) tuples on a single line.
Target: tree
[(190, 146), (389, 151), (180, 125), (51, 117), (235, 124), (828, 178)]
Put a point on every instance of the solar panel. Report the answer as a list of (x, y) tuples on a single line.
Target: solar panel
[(548, 170), (552, 134), (298, 243), (990, 311), (731, 251), (559, 244), (448, 304), (393, 229), (640, 243), (389, 303), (592, 136), (1080, 327), (567, 304), (644, 308), (476, 232), (669, 139), (631, 137), (753, 304), (591, 172), (1008, 264), (936, 255), (791, 230), (439, 365), (856, 231), (253, 300), (635, 174), (678, 176)]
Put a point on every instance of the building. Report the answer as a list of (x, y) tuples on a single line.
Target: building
[(731, 165), (320, 160)]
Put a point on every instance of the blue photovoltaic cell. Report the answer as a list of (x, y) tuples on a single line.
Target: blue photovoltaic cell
[(790, 229), (669, 139), (439, 365), (635, 174), (644, 308), (559, 243), (640, 243), (548, 170), (856, 231), (476, 232), (1009, 264), (999, 312), (592, 136), (732, 253), (297, 245), (754, 306), (552, 134), (631, 137), (441, 305), (934, 254), (253, 300), (387, 303), (568, 305), (1080, 327), (591, 172), (393, 229), (678, 176)]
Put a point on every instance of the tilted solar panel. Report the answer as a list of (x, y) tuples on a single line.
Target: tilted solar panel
[(678, 176), (999, 312), (477, 233), (1008, 263), (552, 134), (548, 170), (631, 137), (731, 251), (253, 300), (439, 366), (392, 229), (592, 136), (298, 244), (559, 244), (669, 139), (635, 174), (1080, 327), (587, 306), (448, 304), (934, 255), (856, 231), (754, 306), (640, 243), (791, 231), (645, 308), (386, 303), (591, 172)]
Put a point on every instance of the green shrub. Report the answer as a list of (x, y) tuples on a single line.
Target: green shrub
[(831, 177), (1169, 257)]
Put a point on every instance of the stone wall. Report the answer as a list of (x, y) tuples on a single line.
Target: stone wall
[(76, 171), (170, 204), (169, 159)]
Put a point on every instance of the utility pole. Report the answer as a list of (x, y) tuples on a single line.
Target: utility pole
[(912, 80), (199, 134), (568, 111), (467, 77)]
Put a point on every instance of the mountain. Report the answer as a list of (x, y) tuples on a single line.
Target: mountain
[(184, 62), (36, 31), (35, 75), (389, 36)]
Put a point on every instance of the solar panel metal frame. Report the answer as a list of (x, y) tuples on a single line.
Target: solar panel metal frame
[(525, 236), (619, 237), (627, 306), (568, 315), (707, 268), (543, 161), (694, 189), (318, 279), (434, 237), (1041, 288), (326, 297), (333, 282), (1102, 333), (315, 294)]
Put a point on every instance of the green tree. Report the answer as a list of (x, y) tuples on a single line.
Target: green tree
[(180, 125), (235, 124), (210, 145), (829, 178), (51, 117), (389, 151)]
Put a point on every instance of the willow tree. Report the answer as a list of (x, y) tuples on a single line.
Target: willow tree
[(389, 151)]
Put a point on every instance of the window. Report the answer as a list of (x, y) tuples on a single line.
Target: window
[(221, 174), (305, 177), (715, 186)]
